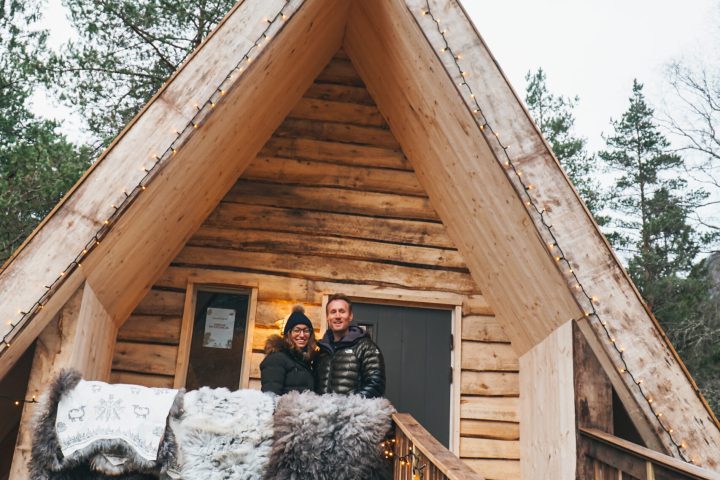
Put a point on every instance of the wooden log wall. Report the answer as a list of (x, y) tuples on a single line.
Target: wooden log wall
[(331, 203)]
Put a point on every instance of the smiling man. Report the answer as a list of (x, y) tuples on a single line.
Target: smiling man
[(349, 362)]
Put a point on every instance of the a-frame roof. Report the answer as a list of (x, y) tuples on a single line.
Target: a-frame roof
[(528, 240)]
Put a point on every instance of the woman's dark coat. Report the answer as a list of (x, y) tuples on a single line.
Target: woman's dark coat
[(284, 369)]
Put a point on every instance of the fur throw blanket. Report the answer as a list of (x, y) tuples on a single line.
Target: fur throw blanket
[(328, 437), (215, 434), (224, 435), (99, 454)]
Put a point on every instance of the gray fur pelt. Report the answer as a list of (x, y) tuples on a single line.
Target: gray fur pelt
[(224, 435), (91, 463), (328, 437)]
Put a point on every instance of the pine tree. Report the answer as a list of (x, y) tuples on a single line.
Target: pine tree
[(555, 119), (653, 208), (125, 50), (651, 199), (37, 165)]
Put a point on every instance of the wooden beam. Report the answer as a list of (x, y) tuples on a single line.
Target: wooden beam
[(547, 408), (94, 339), (645, 427), (671, 465), (154, 228), (82, 336), (232, 216), (29, 333), (593, 397), (465, 183)]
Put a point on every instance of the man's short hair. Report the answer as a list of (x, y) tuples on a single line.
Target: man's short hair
[(339, 296)]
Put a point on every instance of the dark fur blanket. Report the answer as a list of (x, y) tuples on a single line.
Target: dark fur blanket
[(328, 437)]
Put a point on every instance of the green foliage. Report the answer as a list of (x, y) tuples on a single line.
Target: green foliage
[(554, 116), (20, 49), (125, 50), (650, 198), (37, 165), (690, 307), (653, 207), (34, 174)]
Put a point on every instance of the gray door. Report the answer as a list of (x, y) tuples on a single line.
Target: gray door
[(416, 344)]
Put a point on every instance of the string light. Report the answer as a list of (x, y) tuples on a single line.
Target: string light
[(414, 462), (388, 447), (532, 205), (18, 402), (201, 114)]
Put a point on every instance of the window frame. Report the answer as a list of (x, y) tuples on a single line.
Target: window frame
[(224, 282)]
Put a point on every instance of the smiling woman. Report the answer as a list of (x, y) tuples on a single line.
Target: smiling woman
[(286, 367)]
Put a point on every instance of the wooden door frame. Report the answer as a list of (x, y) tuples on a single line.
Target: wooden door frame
[(451, 302), (223, 282)]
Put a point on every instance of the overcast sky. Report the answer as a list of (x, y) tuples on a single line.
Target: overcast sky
[(589, 48), (594, 48)]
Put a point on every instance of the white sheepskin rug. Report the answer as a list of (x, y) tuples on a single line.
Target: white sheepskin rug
[(224, 435), (328, 437)]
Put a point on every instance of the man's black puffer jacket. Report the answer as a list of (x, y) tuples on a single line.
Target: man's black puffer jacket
[(352, 365), (284, 369)]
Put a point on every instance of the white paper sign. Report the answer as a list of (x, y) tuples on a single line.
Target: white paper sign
[(219, 328)]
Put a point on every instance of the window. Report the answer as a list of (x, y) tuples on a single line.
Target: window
[(216, 337)]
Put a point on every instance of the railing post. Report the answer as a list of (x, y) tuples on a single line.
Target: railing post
[(650, 471)]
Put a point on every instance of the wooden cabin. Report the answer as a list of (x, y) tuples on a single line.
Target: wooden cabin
[(371, 147)]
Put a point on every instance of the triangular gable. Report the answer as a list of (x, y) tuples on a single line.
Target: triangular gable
[(528, 240)]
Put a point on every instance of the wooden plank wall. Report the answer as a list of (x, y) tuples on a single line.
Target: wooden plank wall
[(331, 203)]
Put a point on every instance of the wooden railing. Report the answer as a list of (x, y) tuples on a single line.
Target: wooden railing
[(419, 456), (609, 457)]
